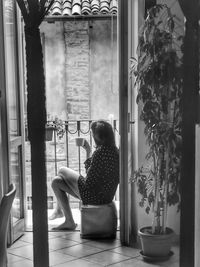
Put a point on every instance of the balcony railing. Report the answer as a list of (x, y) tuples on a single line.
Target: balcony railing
[(64, 152)]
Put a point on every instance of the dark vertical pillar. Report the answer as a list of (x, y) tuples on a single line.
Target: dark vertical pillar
[(123, 127), (190, 97), (36, 114)]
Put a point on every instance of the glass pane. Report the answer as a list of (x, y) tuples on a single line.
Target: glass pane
[(11, 66), (16, 178)]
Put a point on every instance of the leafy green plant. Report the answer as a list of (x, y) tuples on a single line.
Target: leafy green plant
[(158, 79), (60, 127)]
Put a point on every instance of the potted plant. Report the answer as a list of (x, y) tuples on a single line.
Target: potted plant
[(48, 133), (158, 79), (56, 125), (59, 126)]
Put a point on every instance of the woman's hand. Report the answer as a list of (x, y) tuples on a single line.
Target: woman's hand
[(82, 142), (87, 148)]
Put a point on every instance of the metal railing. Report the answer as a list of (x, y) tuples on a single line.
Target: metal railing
[(73, 129)]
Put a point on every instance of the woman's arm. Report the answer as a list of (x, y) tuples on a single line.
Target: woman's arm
[(87, 148), (95, 171)]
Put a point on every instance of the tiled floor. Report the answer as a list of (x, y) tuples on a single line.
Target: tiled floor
[(68, 249), (58, 221)]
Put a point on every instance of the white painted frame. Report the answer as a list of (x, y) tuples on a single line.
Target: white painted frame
[(131, 13)]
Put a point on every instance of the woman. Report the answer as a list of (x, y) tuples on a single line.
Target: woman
[(102, 176)]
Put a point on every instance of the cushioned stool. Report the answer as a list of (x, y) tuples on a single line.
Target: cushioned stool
[(98, 221)]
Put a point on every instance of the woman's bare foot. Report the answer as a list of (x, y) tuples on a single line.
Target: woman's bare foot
[(66, 226), (56, 214)]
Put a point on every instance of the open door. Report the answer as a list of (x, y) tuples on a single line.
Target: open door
[(131, 13), (12, 115)]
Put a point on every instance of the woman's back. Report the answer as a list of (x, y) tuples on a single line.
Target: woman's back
[(102, 177)]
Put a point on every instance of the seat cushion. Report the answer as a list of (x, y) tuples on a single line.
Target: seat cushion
[(99, 221)]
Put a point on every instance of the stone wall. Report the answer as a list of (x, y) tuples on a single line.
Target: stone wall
[(77, 60)]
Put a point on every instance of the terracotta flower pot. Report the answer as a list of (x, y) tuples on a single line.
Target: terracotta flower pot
[(48, 133), (155, 245)]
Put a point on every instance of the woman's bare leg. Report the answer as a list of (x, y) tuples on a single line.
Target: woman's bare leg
[(57, 213), (65, 182)]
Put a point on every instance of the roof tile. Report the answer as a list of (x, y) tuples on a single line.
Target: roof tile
[(83, 7)]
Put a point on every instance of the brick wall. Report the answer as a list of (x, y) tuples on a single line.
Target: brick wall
[(77, 60)]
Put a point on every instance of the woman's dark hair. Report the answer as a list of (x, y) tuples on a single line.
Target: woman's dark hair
[(103, 133)]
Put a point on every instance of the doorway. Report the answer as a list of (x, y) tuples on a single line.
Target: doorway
[(111, 85), (81, 86)]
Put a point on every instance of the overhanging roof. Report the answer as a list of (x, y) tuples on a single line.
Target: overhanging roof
[(67, 8)]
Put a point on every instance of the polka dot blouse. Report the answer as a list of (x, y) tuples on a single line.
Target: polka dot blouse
[(102, 176)]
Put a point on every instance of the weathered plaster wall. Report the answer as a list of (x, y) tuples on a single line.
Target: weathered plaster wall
[(54, 63), (103, 69), (81, 69)]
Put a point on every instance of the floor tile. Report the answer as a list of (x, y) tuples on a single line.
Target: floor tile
[(118, 235), (66, 249), (22, 263), (25, 252), (27, 237), (59, 243), (105, 244), (59, 233), (127, 251), (58, 221), (176, 255), (52, 235), (169, 264), (13, 258), (75, 236), (79, 263), (17, 244), (80, 250), (135, 263), (106, 257), (173, 261), (56, 258)]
